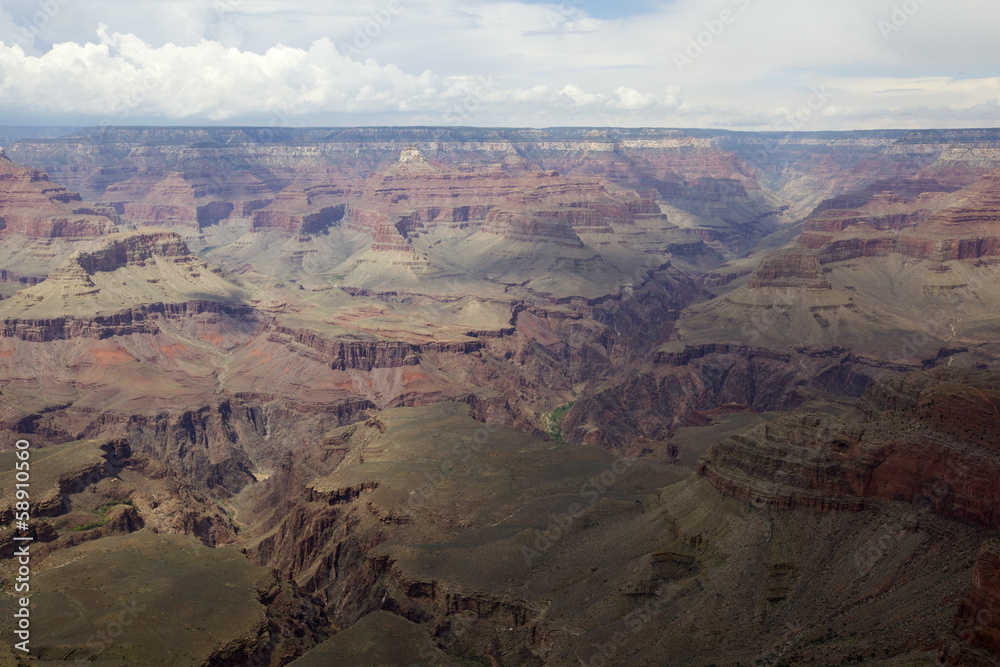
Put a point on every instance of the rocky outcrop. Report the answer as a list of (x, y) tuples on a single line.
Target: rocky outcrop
[(927, 247), (338, 495), (920, 219), (403, 202), (194, 199), (693, 352), (837, 221), (171, 201), (977, 621), (345, 353), (904, 189), (365, 355), (11, 277), (528, 229), (32, 205), (842, 250), (133, 249), (139, 320), (302, 208), (925, 439), (790, 269)]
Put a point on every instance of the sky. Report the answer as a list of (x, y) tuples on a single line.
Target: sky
[(764, 65)]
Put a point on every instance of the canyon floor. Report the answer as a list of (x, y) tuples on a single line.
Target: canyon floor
[(397, 396)]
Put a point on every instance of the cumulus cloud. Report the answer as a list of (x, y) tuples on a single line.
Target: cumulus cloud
[(121, 78), (121, 75), (748, 64)]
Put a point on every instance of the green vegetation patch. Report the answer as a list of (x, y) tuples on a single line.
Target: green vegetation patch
[(102, 519), (552, 422)]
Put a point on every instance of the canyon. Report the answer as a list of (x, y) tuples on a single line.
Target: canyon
[(511, 397)]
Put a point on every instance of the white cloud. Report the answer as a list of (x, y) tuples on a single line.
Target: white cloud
[(424, 62), (579, 96), (630, 99)]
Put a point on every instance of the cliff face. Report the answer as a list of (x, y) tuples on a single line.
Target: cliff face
[(977, 622), (925, 439), (917, 218), (790, 270), (352, 354), (132, 249), (302, 209), (527, 228), (404, 202), (191, 200), (139, 320), (30, 204)]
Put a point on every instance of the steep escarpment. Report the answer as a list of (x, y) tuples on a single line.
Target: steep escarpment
[(352, 354), (127, 272), (917, 218), (189, 201), (133, 249), (140, 320), (32, 205), (302, 209), (790, 270), (976, 638), (924, 438)]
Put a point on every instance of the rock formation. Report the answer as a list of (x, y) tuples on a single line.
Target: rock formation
[(32, 205), (522, 397)]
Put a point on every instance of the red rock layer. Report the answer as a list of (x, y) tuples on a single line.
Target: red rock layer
[(834, 222), (302, 209), (171, 201), (32, 205), (139, 320), (388, 237), (195, 200), (911, 220), (521, 205), (926, 438), (528, 228), (790, 269), (133, 249), (902, 190), (978, 619)]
